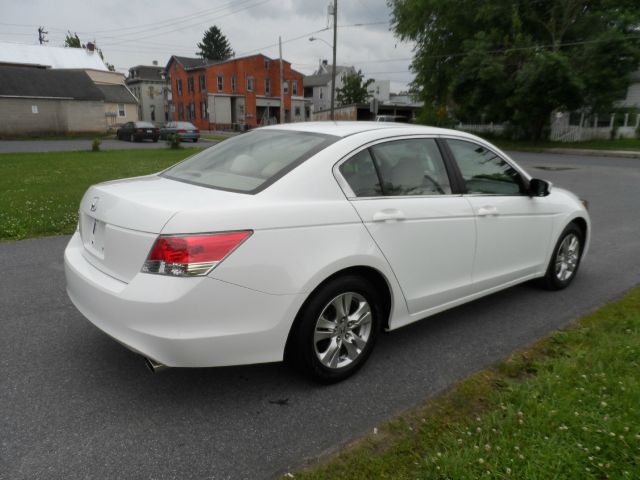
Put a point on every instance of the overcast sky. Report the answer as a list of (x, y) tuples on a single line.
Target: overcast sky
[(136, 32)]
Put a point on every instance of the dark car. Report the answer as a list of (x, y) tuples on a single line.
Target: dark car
[(184, 130), (138, 131)]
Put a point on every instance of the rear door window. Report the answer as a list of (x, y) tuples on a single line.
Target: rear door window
[(360, 173), (411, 167)]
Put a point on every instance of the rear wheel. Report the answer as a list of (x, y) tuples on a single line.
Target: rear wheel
[(336, 330), (195, 140), (565, 260)]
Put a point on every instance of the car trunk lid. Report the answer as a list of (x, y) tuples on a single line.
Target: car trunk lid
[(119, 221)]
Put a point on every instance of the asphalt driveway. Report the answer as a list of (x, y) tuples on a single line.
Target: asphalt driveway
[(15, 146), (76, 404)]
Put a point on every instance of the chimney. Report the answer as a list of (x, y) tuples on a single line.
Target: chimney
[(155, 63), (91, 46)]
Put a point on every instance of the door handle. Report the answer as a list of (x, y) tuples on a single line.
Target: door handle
[(389, 215), (487, 210)]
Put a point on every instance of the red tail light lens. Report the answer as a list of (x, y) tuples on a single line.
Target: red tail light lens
[(191, 255)]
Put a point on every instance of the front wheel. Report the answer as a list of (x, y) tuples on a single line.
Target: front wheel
[(565, 259), (336, 330)]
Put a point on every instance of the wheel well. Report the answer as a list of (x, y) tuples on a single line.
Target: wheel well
[(372, 275), (581, 223)]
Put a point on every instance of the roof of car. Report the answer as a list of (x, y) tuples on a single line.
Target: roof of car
[(345, 129)]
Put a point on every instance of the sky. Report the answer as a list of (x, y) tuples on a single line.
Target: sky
[(137, 32)]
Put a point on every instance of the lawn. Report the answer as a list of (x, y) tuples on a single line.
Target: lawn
[(568, 407), (40, 192)]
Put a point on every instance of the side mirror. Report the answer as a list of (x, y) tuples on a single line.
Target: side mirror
[(539, 188)]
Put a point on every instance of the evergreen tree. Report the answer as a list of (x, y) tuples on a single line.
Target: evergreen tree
[(214, 45)]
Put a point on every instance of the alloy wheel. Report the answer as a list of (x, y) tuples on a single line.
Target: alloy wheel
[(567, 257), (342, 330)]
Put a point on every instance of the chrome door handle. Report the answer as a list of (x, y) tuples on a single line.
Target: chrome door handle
[(389, 215), (487, 210)]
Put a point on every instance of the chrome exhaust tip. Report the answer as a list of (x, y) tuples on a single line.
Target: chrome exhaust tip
[(153, 366)]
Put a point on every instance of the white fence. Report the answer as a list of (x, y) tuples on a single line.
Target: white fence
[(563, 131)]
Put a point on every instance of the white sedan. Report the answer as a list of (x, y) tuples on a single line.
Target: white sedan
[(304, 241)]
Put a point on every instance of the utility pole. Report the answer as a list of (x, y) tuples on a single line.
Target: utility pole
[(333, 72), (281, 83), (41, 36)]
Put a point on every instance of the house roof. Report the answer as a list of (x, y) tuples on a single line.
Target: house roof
[(38, 82), (145, 72), (190, 63), (49, 57), (317, 80), (117, 94)]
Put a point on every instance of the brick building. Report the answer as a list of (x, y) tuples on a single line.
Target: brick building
[(233, 93)]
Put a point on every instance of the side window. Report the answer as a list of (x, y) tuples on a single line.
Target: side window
[(483, 171), (411, 167), (360, 174)]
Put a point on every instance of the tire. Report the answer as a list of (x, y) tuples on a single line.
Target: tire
[(327, 346), (195, 140), (565, 260), (155, 139)]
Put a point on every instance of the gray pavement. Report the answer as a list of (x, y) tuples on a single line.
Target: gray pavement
[(17, 146), (75, 404)]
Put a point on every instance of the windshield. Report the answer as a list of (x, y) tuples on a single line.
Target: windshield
[(249, 162)]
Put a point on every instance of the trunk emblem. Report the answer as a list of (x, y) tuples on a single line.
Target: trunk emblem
[(94, 203)]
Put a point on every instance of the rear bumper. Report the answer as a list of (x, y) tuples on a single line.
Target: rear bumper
[(182, 322)]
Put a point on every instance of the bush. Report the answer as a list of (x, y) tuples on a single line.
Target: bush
[(95, 145), (173, 141)]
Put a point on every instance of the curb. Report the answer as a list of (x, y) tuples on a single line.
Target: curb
[(593, 153)]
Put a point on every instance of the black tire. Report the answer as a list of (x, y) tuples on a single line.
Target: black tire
[(195, 140), (302, 350), (552, 280), (155, 139)]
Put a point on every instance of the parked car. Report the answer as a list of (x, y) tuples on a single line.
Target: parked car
[(138, 131), (392, 118), (303, 241), (184, 130)]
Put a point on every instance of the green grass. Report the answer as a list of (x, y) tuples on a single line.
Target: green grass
[(40, 192), (632, 144), (566, 408), (214, 137)]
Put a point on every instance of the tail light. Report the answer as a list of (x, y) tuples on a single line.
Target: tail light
[(191, 255)]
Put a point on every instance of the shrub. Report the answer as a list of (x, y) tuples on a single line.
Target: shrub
[(95, 145), (173, 141)]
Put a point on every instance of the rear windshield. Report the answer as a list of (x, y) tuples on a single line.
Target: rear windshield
[(144, 125), (249, 162)]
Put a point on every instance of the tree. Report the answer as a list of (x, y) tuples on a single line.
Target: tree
[(73, 41), (519, 60), (214, 45), (354, 89)]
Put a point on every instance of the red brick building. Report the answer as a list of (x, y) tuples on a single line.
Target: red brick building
[(233, 93)]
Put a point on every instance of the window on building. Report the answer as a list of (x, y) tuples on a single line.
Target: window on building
[(286, 87), (179, 86), (320, 94), (180, 111), (250, 84), (297, 110), (267, 86), (153, 113), (294, 87), (203, 82), (220, 82), (121, 110), (190, 84), (150, 91), (203, 110), (266, 64), (233, 84)]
